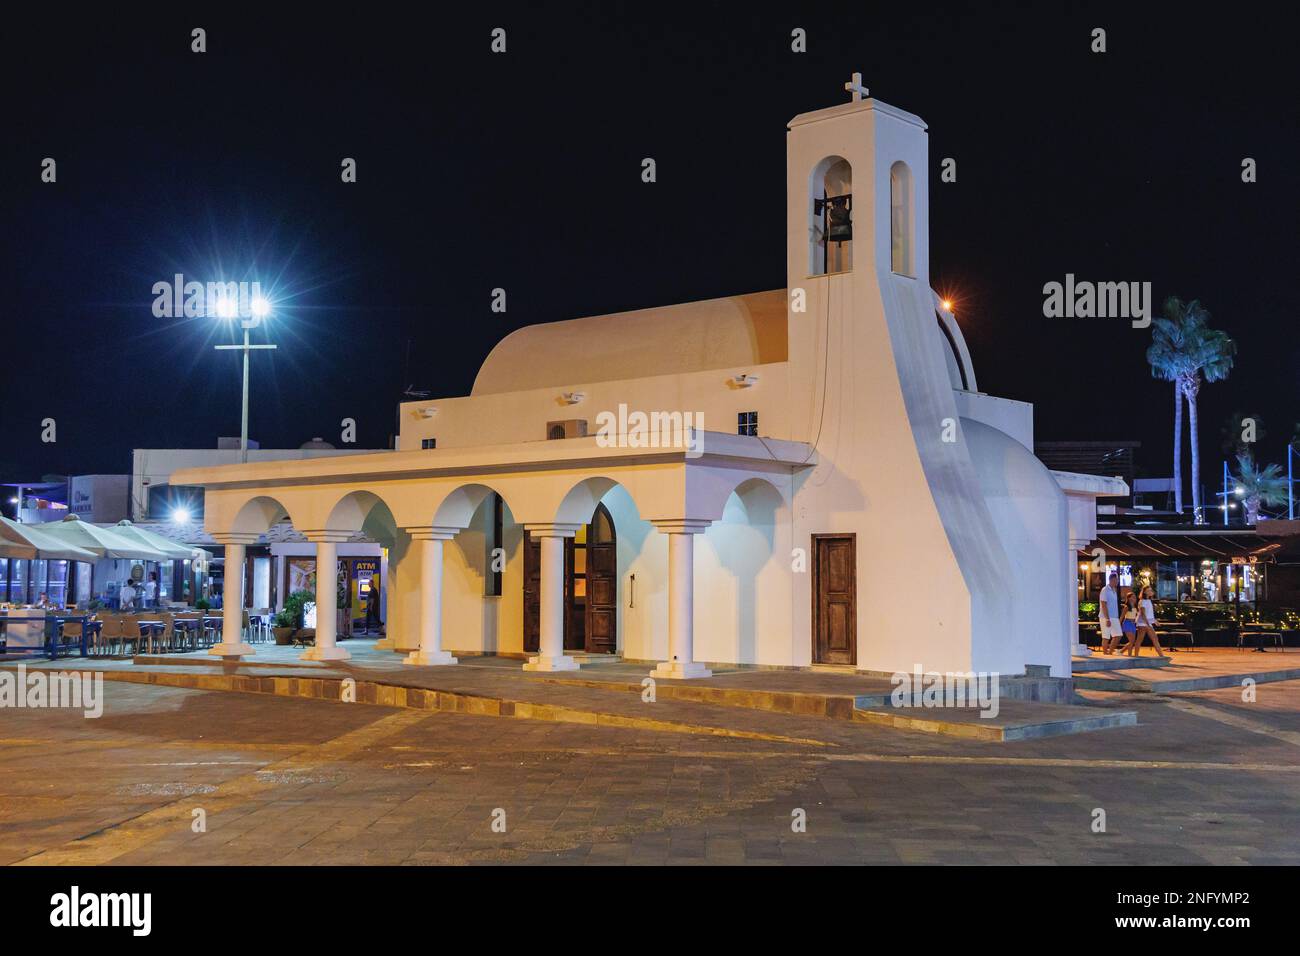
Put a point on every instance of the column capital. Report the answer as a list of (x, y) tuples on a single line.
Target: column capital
[(426, 532), (326, 536), (681, 525), (234, 537), (552, 529)]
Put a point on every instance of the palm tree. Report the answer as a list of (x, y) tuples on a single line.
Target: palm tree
[(1211, 356), (1258, 486), (1186, 351), (1166, 356)]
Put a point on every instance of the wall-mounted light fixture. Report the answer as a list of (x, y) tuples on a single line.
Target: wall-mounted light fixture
[(572, 398), (744, 380)]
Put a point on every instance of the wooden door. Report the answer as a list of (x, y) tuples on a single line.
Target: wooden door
[(533, 595), (835, 591), (602, 584)]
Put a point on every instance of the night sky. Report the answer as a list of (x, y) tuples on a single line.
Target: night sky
[(522, 171)]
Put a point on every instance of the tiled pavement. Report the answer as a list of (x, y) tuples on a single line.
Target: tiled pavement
[(1204, 778)]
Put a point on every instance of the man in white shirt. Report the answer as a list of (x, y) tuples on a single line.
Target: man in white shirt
[(151, 590), (1108, 614), (126, 596)]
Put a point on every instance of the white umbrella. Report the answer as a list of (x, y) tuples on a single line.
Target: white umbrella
[(102, 541), (152, 539), (34, 543)]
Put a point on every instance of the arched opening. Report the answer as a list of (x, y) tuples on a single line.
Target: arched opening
[(902, 220), (590, 588), (830, 211)]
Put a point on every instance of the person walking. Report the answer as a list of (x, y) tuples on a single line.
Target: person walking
[(1128, 622), (1146, 623), (1108, 614)]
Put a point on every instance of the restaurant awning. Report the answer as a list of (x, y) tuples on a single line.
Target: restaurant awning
[(102, 541), (31, 542), (1184, 546), (173, 551)]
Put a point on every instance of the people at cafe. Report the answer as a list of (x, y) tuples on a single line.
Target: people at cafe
[(1108, 614), (126, 596), (151, 590)]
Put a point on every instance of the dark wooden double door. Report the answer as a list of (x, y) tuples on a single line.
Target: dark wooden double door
[(835, 599), (590, 588)]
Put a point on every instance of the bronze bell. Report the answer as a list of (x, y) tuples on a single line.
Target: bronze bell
[(839, 223)]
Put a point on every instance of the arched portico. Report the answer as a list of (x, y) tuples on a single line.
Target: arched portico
[(423, 499)]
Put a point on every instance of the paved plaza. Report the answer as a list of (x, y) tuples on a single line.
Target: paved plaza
[(173, 774)]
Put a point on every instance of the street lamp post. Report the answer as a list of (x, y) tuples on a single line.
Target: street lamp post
[(260, 309)]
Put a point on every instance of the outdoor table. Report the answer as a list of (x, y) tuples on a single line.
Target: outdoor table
[(54, 643), (1260, 631), (151, 629)]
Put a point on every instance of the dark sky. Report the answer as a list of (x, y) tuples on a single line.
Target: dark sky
[(523, 171)]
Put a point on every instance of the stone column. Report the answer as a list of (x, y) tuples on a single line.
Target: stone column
[(551, 656), (681, 601), (427, 542), (327, 572), (232, 601)]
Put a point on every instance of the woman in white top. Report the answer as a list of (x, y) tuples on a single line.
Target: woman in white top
[(1146, 624)]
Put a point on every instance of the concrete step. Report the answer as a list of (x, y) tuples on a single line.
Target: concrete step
[(1136, 682), (1114, 662), (1016, 720)]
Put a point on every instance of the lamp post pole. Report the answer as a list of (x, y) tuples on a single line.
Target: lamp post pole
[(260, 310), (1225, 474), (1290, 483)]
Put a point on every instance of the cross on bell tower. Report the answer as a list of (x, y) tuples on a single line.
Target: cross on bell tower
[(855, 87)]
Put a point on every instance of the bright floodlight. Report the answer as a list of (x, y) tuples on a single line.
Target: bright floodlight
[(181, 515), (947, 305), (261, 308), (1241, 491)]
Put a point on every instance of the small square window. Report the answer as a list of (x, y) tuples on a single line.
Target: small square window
[(428, 443), (747, 423)]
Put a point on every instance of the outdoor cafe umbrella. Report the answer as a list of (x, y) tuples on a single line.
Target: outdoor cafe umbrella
[(172, 550), (104, 542), (32, 543)]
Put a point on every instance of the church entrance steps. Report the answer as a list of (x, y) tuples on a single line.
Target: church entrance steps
[(1015, 720), (290, 682), (1086, 665)]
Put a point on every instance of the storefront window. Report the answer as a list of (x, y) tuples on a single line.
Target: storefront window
[(18, 581), (36, 584), (57, 588)]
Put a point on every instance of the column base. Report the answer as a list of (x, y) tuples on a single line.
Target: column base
[(335, 653), (423, 659), (386, 644), (1082, 650), (231, 650), (562, 663), (676, 670)]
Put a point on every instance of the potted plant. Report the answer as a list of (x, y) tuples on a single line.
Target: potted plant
[(289, 619)]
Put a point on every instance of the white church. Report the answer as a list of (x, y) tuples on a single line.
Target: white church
[(831, 486)]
